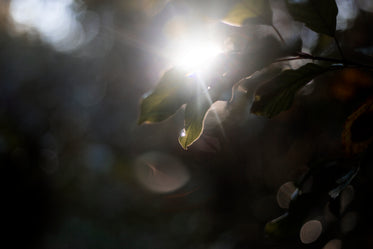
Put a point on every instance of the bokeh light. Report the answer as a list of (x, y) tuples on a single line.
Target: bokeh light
[(333, 244), (284, 194), (55, 22), (161, 173), (310, 231), (98, 157), (349, 222)]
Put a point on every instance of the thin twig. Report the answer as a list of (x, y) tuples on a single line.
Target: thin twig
[(279, 34), (305, 56), (290, 59)]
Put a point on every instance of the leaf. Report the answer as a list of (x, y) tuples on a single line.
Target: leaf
[(277, 95), (252, 83), (258, 55), (215, 9), (174, 89), (325, 46), (252, 11), (318, 15), (195, 113)]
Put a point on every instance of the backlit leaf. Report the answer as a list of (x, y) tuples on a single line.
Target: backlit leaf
[(174, 89), (251, 11), (318, 15), (195, 113), (277, 94)]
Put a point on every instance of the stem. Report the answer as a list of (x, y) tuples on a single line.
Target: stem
[(319, 58), (278, 34), (305, 56), (290, 59)]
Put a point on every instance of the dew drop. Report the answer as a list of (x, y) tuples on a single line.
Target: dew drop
[(182, 133)]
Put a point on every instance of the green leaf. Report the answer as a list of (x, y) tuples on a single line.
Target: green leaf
[(252, 11), (174, 89), (195, 113), (318, 15), (215, 9), (277, 94)]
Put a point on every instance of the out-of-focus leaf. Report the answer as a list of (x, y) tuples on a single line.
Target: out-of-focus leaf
[(318, 15), (215, 9), (260, 54), (251, 11), (195, 113), (277, 95), (325, 46), (251, 83), (174, 89)]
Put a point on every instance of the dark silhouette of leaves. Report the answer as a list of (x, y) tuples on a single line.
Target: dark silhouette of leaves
[(320, 16), (277, 95)]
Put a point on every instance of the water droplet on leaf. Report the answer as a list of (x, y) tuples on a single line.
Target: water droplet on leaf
[(182, 133)]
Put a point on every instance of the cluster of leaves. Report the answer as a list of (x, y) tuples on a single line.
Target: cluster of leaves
[(275, 94), (270, 88), (316, 194)]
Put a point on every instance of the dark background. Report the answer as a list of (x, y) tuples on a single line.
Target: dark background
[(70, 145)]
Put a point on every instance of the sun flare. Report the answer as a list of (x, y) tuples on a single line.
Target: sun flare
[(195, 54)]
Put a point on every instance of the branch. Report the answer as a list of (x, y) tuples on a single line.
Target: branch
[(278, 34), (305, 56)]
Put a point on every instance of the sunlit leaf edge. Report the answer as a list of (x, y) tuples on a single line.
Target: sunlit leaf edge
[(242, 13), (195, 115)]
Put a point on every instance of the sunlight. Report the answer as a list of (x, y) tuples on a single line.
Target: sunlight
[(55, 22), (195, 54)]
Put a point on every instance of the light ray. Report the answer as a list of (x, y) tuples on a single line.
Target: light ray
[(205, 90)]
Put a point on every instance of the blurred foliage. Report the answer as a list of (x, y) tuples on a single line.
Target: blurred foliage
[(249, 11), (78, 172), (280, 91), (320, 16)]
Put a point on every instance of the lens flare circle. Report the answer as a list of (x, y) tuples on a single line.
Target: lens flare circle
[(160, 172)]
